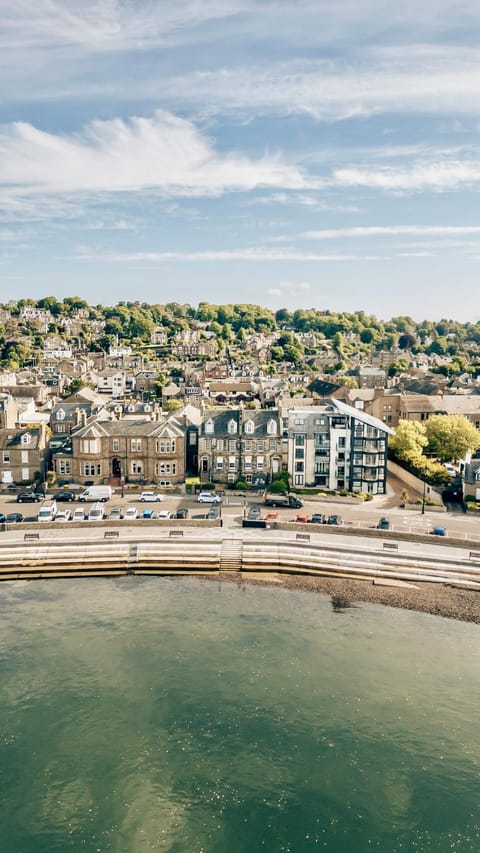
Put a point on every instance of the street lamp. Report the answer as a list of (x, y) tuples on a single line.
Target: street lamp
[(424, 486)]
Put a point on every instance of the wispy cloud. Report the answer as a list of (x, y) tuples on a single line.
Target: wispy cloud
[(437, 176), (163, 153), (86, 253), (392, 230), (289, 288)]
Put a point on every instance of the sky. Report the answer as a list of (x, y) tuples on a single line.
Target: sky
[(289, 153)]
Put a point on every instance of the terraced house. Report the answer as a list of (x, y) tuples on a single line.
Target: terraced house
[(338, 447), (239, 444), (123, 451)]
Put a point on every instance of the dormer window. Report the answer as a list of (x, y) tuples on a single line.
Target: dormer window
[(210, 426), (249, 427), (26, 438), (232, 427), (272, 427), (60, 415)]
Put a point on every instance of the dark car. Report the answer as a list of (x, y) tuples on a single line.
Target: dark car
[(213, 512), (318, 518), (384, 524), (2, 517), (65, 496), (29, 497), (14, 517), (334, 519), (182, 512), (253, 513), (438, 531)]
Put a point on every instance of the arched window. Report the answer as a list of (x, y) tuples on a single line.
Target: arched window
[(272, 427), (232, 427), (249, 427)]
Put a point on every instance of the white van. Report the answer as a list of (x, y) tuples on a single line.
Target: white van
[(97, 512), (96, 493), (47, 511)]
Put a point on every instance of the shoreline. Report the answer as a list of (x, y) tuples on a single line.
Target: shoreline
[(444, 600)]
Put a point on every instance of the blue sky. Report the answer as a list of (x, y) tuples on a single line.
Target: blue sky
[(317, 153)]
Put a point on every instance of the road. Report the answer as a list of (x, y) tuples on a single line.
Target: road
[(364, 515)]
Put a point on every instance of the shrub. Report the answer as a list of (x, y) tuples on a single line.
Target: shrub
[(241, 485)]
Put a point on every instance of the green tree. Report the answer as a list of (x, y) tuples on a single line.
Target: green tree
[(409, 441), (449, 437)]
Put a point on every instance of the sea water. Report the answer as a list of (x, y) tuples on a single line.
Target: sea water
[(173, 714)]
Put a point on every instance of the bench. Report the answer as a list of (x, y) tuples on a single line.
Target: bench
[(392, 546), (175, 532), (302, 537), (474, 555), (110, 534), (30, 537)]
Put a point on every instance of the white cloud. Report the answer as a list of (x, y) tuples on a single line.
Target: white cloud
[(392, 230), (162, 153), (434, 176), (86, 253)]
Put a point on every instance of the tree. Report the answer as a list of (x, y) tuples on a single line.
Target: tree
[(406, 341), (449, 437), (409, 441)]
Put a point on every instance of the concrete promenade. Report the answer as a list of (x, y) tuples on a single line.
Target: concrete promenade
[(172, 548)]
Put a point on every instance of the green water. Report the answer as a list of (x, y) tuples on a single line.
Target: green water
[(156, 714)]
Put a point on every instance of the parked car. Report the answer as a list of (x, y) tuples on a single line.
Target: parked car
[(14, 517), (182, 512), (334, 519), (130, 513), (97, 512), (115, 513), (148, 513), (318, 518), (271, 517), (64, 515), (302, 518), (208, 498), (79, 514), (253, 513), (213, 512), (439, 531), (151, 497), (165, 513), (29, 497), (65, 496), (451, 469), (2, 517), (384, 524)]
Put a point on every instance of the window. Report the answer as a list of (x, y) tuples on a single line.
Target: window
[(24, 459), (135, 445), (25, 473), (298, 479), (115, 445), (60, 416), (6, 457), (248, 462), (299, 466), (299, 422), (341, 441), (219, 443), (231, 462), (231, 427), (209, 426), (272, 445), (260, 463), (64, 466), (165, 445), (248, 444), (220, 463), (299, 453), (261, 445), (165, 468), (319, 421), (272, 427), (232, 444), (136, 467), (89, 469), (91, 445), (299, 440), (249, 426), (59, 428)]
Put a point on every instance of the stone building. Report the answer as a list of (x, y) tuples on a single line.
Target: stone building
[(239, 444)]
